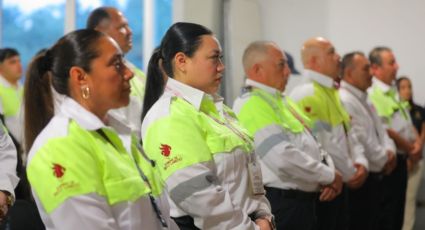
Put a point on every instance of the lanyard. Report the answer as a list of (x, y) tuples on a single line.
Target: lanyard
[(323, 152), (144, 178), (227, 123)]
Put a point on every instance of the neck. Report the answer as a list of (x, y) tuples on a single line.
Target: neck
[(89, 106), (352, 83), (384, 80), (12, 81)]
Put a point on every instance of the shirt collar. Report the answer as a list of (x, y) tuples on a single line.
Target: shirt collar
[(87, 120), (190, 94), (355, 91), (319, 78), (259, 85), (5, 83), (381, 85)]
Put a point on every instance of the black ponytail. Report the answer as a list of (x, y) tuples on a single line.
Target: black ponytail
[(38, 101), (180, 37), (154, 83)]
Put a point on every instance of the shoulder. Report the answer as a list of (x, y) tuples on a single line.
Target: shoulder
[(302, 91), (169, 111), (56, 128), (249, 101)]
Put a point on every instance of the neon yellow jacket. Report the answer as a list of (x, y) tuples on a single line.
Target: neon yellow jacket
[(203, 162), (290, 156), (392, 112), (321, 103), (81, 180), (10, 108)]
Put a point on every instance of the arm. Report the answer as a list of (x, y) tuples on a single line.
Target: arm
[(332, 138), (400, 141), (274, 147), (8, 177), (91, 211), (8, 161), (192, 180)]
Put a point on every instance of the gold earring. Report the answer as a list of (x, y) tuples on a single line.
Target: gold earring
[(85, 91)]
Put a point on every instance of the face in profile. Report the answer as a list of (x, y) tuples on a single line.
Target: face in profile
[(109, 77), (361, 72), (11, 68), (388, 68), (119, 30), (275, 68), (405, 90), (205, 68), (330, 60)]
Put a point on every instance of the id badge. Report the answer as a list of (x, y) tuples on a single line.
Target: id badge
[(256, 178)]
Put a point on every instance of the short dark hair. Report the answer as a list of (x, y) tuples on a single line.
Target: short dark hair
[(347, 60), (97, 16), (180, 37), (375, 55), (6, 53)]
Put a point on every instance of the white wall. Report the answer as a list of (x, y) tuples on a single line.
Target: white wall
[(349, 24), (353, 25)]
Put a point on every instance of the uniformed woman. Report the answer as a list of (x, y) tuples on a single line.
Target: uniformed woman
[(84, 167), (205, 157)]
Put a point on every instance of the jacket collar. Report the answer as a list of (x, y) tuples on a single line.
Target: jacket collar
[(353, 90), (87, 120), (319, 78), (194, 96), (256, 84)]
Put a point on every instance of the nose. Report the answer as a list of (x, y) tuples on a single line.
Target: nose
[(128, 73), (220, 66), (129, 31)]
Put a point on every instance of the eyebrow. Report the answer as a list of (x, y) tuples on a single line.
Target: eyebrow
[(216, 51), (114, 58)]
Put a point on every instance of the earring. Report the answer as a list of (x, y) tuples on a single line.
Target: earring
[(85, 91)]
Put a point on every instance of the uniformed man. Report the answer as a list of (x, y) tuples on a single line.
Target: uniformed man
[(366, 125), (396, 120), (295, 170), (112, 22), (319, 98)]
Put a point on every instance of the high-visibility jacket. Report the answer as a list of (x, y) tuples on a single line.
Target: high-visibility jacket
[(203, 154), (8, 161), (393, 113), (290, 156), (83, 179), (10, 108), (320, 101)]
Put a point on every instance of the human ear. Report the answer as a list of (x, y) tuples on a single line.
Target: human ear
[(78, 75), (180, 60)]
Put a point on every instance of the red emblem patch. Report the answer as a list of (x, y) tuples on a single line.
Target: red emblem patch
[(307, 109), (165, 150), (58, 170)]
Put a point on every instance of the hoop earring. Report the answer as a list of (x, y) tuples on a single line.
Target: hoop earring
[(85, 92)]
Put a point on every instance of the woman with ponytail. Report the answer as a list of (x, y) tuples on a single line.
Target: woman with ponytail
[(85, 167), (205, 157)]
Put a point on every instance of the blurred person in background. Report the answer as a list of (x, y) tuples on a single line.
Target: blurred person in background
[(414, 167)]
